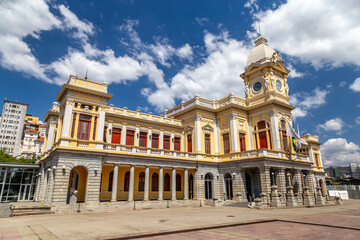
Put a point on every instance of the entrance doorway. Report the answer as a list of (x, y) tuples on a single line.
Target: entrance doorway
[(208, 186), (77, 185), (191, 186), (228, 187), (249, 191)]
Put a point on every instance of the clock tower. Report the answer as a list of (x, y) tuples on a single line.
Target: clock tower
[(265, 75)]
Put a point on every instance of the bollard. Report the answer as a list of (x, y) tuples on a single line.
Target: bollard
[(200, 204), (78, 210), (167, 204), (134, 206)]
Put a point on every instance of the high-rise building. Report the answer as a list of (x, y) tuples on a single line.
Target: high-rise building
[(11, 126)]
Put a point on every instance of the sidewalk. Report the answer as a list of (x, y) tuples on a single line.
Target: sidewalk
[(123, 223)]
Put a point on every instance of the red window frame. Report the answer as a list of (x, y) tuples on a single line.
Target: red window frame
[(84, 127), (242, 142), (155, 141), (226, 142), (130, 137), (189, 143), (167, 142), (207, 144), (143, 139), (263, 139), (177, 144), (116, 135)]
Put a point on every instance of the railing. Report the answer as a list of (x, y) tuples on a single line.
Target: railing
[(142, 116), (213, 104)]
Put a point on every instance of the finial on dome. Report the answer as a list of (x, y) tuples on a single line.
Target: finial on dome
[(260, 40)]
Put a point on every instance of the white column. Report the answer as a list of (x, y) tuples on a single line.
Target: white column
[(137, 136), (123, 135), (275, 130), (109, 133), (173, 185), (58, 133), (250, 134), (146, 188), (197, 134), (172, 141), (114, 184), (100, 129), (161, 183), (148, 138), (186, 185), (217, 136), (320, 159), (65, 132), (311, 155), (234, 134), (131, 184), (50, 137), (161, 140), (182, 142)]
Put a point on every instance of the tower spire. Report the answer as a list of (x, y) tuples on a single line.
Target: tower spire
[(86, 74)]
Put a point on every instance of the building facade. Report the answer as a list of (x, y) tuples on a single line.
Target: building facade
[(33, 137), (221, 150), (11, 126)]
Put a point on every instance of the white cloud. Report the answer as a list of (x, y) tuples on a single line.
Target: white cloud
[(15, 54), (357, 120), (342, 84), (201, 21), (322, 32), (185, 52), (335, 124), (305, 101), (214, 77), (338, 151), (294, 73), (355, 86), (71, 21), (103, 66), (252, 4)]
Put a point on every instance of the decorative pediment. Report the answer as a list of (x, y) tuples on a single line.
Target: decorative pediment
[(188, 129), (207, 128)]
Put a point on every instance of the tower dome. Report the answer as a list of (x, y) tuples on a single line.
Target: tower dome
[(261, 53)]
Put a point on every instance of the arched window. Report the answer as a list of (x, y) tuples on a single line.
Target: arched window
[(283, 138), (262, 134), (155, 182), (167, 182), (178, 182), (141, 181), (208, 186), (126, 181), (111, 176), (228, 186), (191, 186)]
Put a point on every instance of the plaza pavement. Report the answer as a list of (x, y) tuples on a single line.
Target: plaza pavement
[(209, 223)]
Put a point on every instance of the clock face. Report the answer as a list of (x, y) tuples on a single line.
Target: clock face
[(278, 85), (257, 86)]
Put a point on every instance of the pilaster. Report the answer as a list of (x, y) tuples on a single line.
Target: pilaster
[(234, 134)]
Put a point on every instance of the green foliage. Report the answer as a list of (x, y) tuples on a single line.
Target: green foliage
[(5, 157)]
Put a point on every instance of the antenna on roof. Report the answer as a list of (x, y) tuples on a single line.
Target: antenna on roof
[(86, 74), (259, 27)]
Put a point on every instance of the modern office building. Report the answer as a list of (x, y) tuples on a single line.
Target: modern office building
[(214, 151), (11, 126)]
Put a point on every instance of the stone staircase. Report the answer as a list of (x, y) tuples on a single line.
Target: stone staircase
[(29, 208)]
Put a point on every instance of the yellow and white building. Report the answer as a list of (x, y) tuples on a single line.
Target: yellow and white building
[(222, 150)]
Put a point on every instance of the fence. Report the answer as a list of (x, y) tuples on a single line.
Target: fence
[(353, 190)]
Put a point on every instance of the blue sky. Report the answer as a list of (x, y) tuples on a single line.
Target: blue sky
[(155, 54)]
